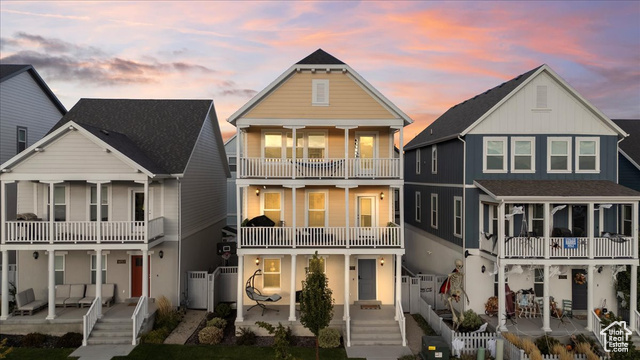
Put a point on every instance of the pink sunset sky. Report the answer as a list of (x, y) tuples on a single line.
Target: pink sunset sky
[(423, 56)]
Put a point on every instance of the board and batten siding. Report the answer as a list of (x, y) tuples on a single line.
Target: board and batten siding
[(564, 113), (450, 163), (204, 186), (23, 103), (445, 221), (629, 174), (292, 100)]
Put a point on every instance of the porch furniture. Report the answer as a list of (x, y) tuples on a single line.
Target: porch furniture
[(261, 220), (567, 308), (255, 294), (108, 292), (312, 235), (539, 305), (62, 294), (525, 303), (90, 295), (75, 295), (26, 302)]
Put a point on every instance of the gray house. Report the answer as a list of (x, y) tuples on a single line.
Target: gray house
[(629, 164)]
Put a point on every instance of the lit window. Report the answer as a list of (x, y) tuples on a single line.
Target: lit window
[(588, 154), (316, 146), (273, 206), (316, 216), (495, 158), (273, 145), (94, 267), (559, 154), (457, 216), (523, 154), (434, 211), (271, 277)]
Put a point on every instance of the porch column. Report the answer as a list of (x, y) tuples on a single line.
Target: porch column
[(51, 212), (545, 230), (240, 294), (501, 298), (634, 229), (239, 218), (146, 214), (401, 204), (346, 153), (590, 289), (398, 283), (99, 281), (546, 327), (346, 287), (347, 216), (145, 277), (238, 165), (52, 285), (401, 152), (500, 230), (292, 301), (634, 293), (294, 211), (590, 243), (4, 315), (293, 154), (3, 217)]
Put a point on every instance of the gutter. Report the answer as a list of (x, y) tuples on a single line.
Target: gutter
[(179, 240)]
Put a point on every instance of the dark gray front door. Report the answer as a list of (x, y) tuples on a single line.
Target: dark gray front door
[(578, 292), (366, 279)]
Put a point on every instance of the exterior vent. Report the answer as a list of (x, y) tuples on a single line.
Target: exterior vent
[(541, 97), (320, 92)]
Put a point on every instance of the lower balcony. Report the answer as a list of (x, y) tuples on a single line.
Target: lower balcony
[(336, 237), (40, 232), (562, 247)]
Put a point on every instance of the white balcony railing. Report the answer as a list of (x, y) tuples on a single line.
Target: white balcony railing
[(559, 247), (89, 320), (401, 322), (319, 168), (636, 314), (320, 237), (38, 232), (597, 326)]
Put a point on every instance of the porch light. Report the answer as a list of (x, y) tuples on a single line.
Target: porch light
[(257, 261), (161, 254), (381, 195), (600, 269), (257, 192), (484, 268), (36, 255), (382, 261)]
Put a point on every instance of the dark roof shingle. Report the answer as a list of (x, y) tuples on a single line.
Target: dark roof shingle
[(320, 57), (158, 134), (7, 71), (556, 188), (631, 144), (461, 116)]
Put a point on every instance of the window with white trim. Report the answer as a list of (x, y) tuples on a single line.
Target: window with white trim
[(271, 273), (59, 202), (93, 200), (587, 154), (317, 209), (538, 281), (418, 161), (316, 145), (59, 269), (272, 206), (559, 154), (319, 92), (493, 219), (627, 221), (418, 206), (457, 216), (21, 139), (273, 145), (495, 155), (537, 219), (523, 158), (94, 266), (434, 211), (434, 159)]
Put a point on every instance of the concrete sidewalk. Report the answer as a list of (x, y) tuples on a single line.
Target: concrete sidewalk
[(101, 352)]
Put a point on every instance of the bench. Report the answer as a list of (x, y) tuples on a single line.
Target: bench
[(62, 294), (76, 293), (108, 292), (27, 303)]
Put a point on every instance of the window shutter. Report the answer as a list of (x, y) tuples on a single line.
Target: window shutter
[(541, 97)]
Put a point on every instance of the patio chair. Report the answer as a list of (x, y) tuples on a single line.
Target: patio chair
[(108, 291), (75, 295), (62, 294), (539, 306), (255, 294), (567, 308), (89, 296)]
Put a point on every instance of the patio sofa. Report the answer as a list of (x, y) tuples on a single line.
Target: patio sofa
[(27, 303), (76, 294), (62, 294), (108, 292)]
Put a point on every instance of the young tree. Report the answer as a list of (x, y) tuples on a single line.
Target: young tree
[(316, 303)]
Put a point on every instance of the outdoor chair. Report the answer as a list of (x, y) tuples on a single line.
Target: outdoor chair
[(75, 295), (108, 291), (62, 294), (567, 308), (89, 296), (255, 295)]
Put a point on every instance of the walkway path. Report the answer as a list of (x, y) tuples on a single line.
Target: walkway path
[(187, 326)]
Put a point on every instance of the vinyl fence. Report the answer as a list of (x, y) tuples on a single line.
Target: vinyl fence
[(222, 286)]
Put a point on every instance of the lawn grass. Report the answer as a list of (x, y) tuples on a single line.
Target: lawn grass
[(38, 354), (221, 352)]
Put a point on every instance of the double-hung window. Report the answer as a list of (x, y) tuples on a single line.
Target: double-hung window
[(434, 159), (271, 274), (59, 269), (104, 208), (537, 219), (418, 206), (434, 211), (457, 216), (94, 266), (273, 145), (21, 138), (59, 202), (272, 206), (587, 154), (523, 155), (495, 155), (317, 209), (316, 145), (418, 161), (559, 154), (627, 220), (299, 145)]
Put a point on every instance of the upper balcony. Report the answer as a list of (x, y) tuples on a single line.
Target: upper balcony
[(337, 168)]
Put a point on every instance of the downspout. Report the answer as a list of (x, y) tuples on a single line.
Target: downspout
[(179, 240), (464, 204)]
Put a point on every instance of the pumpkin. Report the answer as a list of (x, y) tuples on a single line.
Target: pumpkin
[(597, 311), (569, 347)]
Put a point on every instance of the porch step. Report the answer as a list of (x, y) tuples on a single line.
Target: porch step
[(375, 332), (111, 332), (121, 340)]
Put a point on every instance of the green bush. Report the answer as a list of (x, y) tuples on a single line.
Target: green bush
[(169, 320), (69, 340), (282, 339), (210, 335), (33, 340), (471, 322), (223, 310), (217, 322), (245, 336), (546, 343), (329, 338), (156, 336)]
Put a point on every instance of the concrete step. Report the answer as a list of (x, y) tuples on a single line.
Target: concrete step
[(375, 330), (119, 340), (113, 326), (374, 322), (110, 333), (376, 342), (388, 336)]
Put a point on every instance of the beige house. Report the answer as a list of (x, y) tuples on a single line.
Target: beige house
[(330, 190)]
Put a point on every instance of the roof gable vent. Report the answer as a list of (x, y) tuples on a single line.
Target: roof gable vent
[(541, 97)]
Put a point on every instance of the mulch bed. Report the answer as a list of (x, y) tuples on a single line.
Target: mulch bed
[(49, 342)]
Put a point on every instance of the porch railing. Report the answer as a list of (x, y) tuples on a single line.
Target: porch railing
[(320, 168), (138, 318), (156, 228), (348, 325), (401, 322), (561, 247), (595, 319), (89, 321), (636, 314), (320, 237)]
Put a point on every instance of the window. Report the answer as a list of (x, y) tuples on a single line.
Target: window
[(59, 202), (272, 145), (323, 263), (495, 158), (523, 154), (232, 160), (538, 281), (94, 266), (587, 154), (59, 269), (559, 154), (418, 207), (434, 211), (272, 206), (104, 210), (537, 219), (493, 219), (457, 216), (299, 145), (315, 146), (271, 273), (21, 137), (316, 216), (627, 220), (434, 159), (320, 92), (418, 161)]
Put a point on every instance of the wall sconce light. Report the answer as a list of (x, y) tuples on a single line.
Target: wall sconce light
[(382, 261), (257, 192), (161, 254), (257, 261), (381, 195), (600, 270), (36, 255), (484, 268)]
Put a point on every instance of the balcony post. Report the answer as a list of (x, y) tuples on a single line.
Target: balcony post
[(634, 292), (293, 154), (401, 195), (347, 214), (146, 211), (346, 152), (99, 281), (546, 308), (346, 287), (145, 276), (239, 214), (4, 315), (51, 212), (99, 212), (545, 231), (501, 297), (401, 153), (240, 294), (3, 219), (292, 300), (294, 191), (500, 230), (634, 227), (52, 285), (590, 226), (590, 289)]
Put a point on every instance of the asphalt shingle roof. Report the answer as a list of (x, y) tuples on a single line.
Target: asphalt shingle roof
[(553, 188), (631, 144), (157, 134), (461, 116), (320, 57), (7, 71)]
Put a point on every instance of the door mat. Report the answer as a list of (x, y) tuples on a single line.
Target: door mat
[(370, 307), (132, 304)]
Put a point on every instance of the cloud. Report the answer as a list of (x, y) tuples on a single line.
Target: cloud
[(229, 88), (55, 45), (70, 17)]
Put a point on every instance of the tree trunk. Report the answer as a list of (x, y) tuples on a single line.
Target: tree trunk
[(317, 350)]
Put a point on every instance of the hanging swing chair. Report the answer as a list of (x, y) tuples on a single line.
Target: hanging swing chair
[(255, 294)]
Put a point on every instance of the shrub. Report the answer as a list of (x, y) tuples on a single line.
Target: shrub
[(546, 343), (282, 339), (164, 306), (156, 336), (69, 340), (408, 357), (329, 338), (561, 351), (471, 322), (217, 322), (33, 340), (245, 336), (223, 310), (169, 321), (210, 335), (4, 350)]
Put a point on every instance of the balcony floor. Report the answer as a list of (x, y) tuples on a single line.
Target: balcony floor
[(533, 326)]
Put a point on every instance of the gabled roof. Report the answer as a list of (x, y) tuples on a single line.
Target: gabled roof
[(7, 71), (630, 147), (501, 189), (318, 59), (463, 117), (156, 134)]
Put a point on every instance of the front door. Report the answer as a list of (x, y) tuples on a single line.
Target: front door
[(578, 291), (136, 275), (365, 152), (366, 279)]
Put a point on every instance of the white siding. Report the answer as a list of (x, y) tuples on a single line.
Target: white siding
[(22, 103), (230, 149), (170, 210), (565, 113)]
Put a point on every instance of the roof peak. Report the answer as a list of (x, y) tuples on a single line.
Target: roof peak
[(320, 57)]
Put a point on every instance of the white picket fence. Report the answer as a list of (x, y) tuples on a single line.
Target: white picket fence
[(512, 352)]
